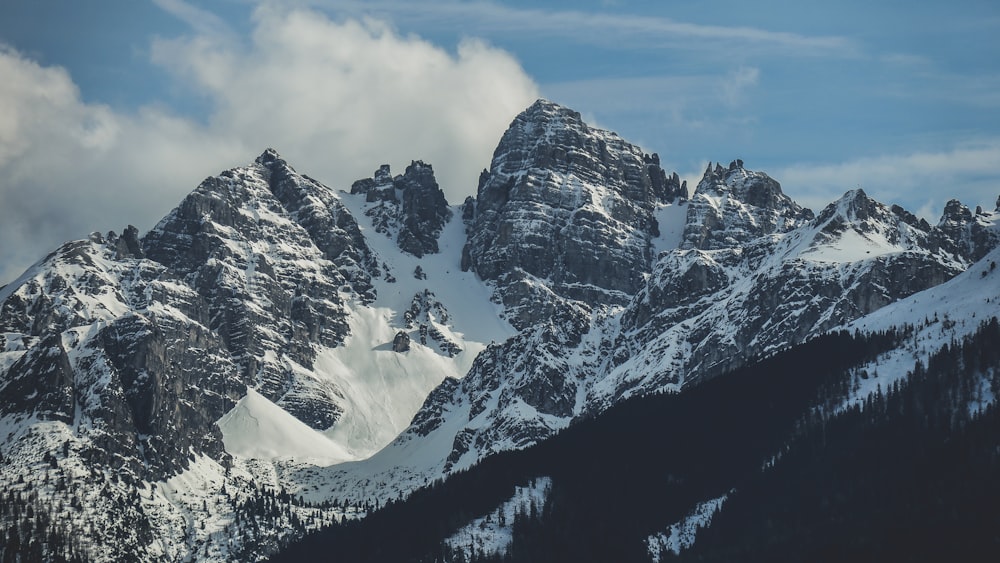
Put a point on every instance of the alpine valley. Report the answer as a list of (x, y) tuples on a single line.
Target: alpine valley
[(588, 361)]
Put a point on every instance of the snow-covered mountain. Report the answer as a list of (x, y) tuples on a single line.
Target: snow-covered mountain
[(276, 354), (254, 323), (751, 273)]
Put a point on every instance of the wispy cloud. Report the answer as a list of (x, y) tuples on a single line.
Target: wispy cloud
[(705, 104), (200, 20), (604, 28)]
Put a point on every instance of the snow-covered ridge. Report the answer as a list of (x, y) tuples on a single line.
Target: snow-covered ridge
[(939, 316), (700, 313)]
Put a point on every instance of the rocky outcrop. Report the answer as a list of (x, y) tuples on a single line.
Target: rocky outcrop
[(412, 207), (401, 342), (732, 206), (966, 233)]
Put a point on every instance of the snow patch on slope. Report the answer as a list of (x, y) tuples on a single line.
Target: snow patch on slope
[(671, 220), (382, 389), (492, 534), (681, 535), (853, 246)]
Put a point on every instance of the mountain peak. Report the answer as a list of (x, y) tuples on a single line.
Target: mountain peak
[(854, 205), (268, 156), (568, 208), (543, 107), (955, 212)]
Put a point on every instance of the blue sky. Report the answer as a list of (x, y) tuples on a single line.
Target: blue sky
[(114, 110)]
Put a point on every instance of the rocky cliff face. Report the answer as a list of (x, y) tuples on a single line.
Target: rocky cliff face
[(732, 206), (104, 338), (412, 208), (271, 253), (565, 215)]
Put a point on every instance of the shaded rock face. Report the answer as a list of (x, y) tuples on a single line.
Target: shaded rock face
[(413, 207), (270, 252), (148, 386), (565, 213), (966, 233)]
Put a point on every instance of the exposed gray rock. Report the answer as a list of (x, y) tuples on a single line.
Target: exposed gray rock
[(149, 385), (401, 342), (241, 240), (971, 236), (732, 206), (412, 206), (564, 217)]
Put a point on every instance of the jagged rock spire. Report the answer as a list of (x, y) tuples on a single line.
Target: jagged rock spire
[(733, 205)]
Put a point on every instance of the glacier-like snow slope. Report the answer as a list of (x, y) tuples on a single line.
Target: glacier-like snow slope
[(383, 389), (256, 428)]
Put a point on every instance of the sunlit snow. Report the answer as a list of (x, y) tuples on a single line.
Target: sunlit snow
[(257, 428)]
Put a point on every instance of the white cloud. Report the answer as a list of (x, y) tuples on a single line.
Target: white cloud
[(68, 167), (921, 181), (339, 98), (335, 98)]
